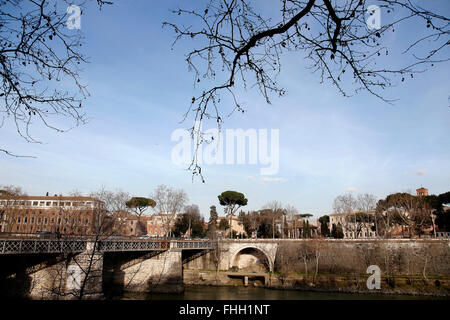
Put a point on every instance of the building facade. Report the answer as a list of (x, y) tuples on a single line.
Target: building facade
[(422, 192), (354, 229), (58, 214)]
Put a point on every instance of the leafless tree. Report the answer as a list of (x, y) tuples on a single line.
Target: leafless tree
[(237, 44), (291, 211), (367, 203), (276, 212), (305, 251), (286, 260), (169, 202), (107, 221), (7, 206), (318, 246), (38, 52), (346, 205)]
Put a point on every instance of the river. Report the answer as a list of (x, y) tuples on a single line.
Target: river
[(251, 293)]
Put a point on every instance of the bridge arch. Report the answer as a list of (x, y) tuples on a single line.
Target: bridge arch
[(242, 257)]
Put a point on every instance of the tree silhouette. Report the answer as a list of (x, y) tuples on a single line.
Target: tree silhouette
[(37, 53), (236, 44)]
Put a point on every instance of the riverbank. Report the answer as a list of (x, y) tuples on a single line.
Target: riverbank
[(201, 292), (436, 286)]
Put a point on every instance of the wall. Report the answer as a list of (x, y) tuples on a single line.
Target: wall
[(407, 266), (145, 272)]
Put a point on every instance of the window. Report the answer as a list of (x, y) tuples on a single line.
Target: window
[(41, 203), (35, 203), (18, 219), (75, 204), (22, 203), (59, 220), (61, 204), (32, 220), (67, 204), (28, 203), (45, 220), (39, 220), (48, 203), (86, 222), (25, 220), (55, 204), (52, 221)]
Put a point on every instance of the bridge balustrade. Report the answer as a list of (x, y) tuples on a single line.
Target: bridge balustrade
[(11, 246), (108, 246), (194, 245), (24, 246)]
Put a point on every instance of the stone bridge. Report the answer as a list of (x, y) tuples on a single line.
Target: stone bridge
[(239, 254)]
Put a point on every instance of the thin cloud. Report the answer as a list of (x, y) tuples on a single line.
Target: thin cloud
[(267, 179), (420, 172), (351, 189)]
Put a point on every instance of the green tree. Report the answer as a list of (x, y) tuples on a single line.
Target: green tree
[(324, 230), (336, 231), (190, 220), (406, 210), (232, 201), (140, 204), (442, 215)]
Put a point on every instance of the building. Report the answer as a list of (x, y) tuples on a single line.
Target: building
[(58, 214), (236, 226), (422, 192), (361, 228), (159, 225), (126, 224)]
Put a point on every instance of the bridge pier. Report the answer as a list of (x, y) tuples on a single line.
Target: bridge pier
[(160, 273), (70, 276)]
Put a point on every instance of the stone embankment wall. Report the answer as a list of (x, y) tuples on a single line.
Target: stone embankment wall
[(407, 266)]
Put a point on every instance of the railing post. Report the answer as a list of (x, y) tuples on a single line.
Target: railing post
[(20, 246)]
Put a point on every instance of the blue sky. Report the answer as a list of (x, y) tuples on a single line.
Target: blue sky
[(329, 144)]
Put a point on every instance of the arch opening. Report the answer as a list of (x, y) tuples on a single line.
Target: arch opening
[(251, 259)]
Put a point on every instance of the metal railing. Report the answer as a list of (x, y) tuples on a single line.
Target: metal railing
[(117, 245), (21, 246), (28, 246)]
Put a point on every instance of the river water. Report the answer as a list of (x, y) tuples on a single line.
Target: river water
[(252, 293)]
